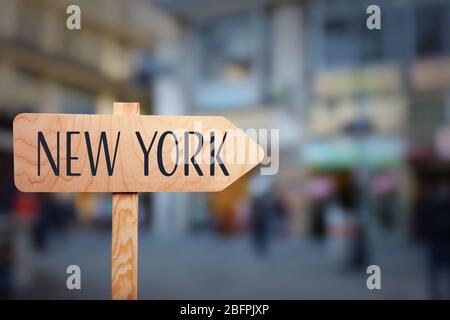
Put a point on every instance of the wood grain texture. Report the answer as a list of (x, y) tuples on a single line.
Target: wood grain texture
[(126, 108), (124, 262), (128, 175), (124, 256)]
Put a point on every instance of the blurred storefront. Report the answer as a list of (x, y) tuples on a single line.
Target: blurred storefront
[(393, 81), (315, 71), (357, 115)]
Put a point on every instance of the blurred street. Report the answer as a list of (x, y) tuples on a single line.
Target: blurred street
[(205, 267)]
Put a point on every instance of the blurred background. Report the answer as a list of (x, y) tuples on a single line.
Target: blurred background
[(364, 148)]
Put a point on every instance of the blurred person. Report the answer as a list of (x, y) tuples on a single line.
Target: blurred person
[(319, 191), (262, 207), (261, 210), (280, 215), (317, 210), (340, 232), (6, 257), (26, 207), (243, 207), (436, 214), (55, 213), (41, 224)]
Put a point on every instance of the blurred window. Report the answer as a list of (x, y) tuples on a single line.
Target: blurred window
[(372, 49), (115, 60), (82, 47), (341, 41), (227, 50), (432, 23), (229, 61), (76, 101), (426, 114), (142, 68), (30, 23), (349, 43), (27, 91)]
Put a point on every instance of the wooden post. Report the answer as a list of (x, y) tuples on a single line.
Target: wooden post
[(124, 232)]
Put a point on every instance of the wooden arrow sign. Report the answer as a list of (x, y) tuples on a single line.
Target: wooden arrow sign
[(126, 153), (111, 153)]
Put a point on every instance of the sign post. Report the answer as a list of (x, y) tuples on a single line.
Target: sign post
[(124, 253), (126, 153)]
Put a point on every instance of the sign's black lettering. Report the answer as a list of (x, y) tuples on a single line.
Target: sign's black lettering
[(216, 155), (69, 156), (43, 142), (186, 152), (160, 154), (145, 150), (104, 142)]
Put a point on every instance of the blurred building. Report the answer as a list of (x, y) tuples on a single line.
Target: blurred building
[(242, 60), (309, 68), (357, 108), (45, 67), (346, 98), (390, 81)]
